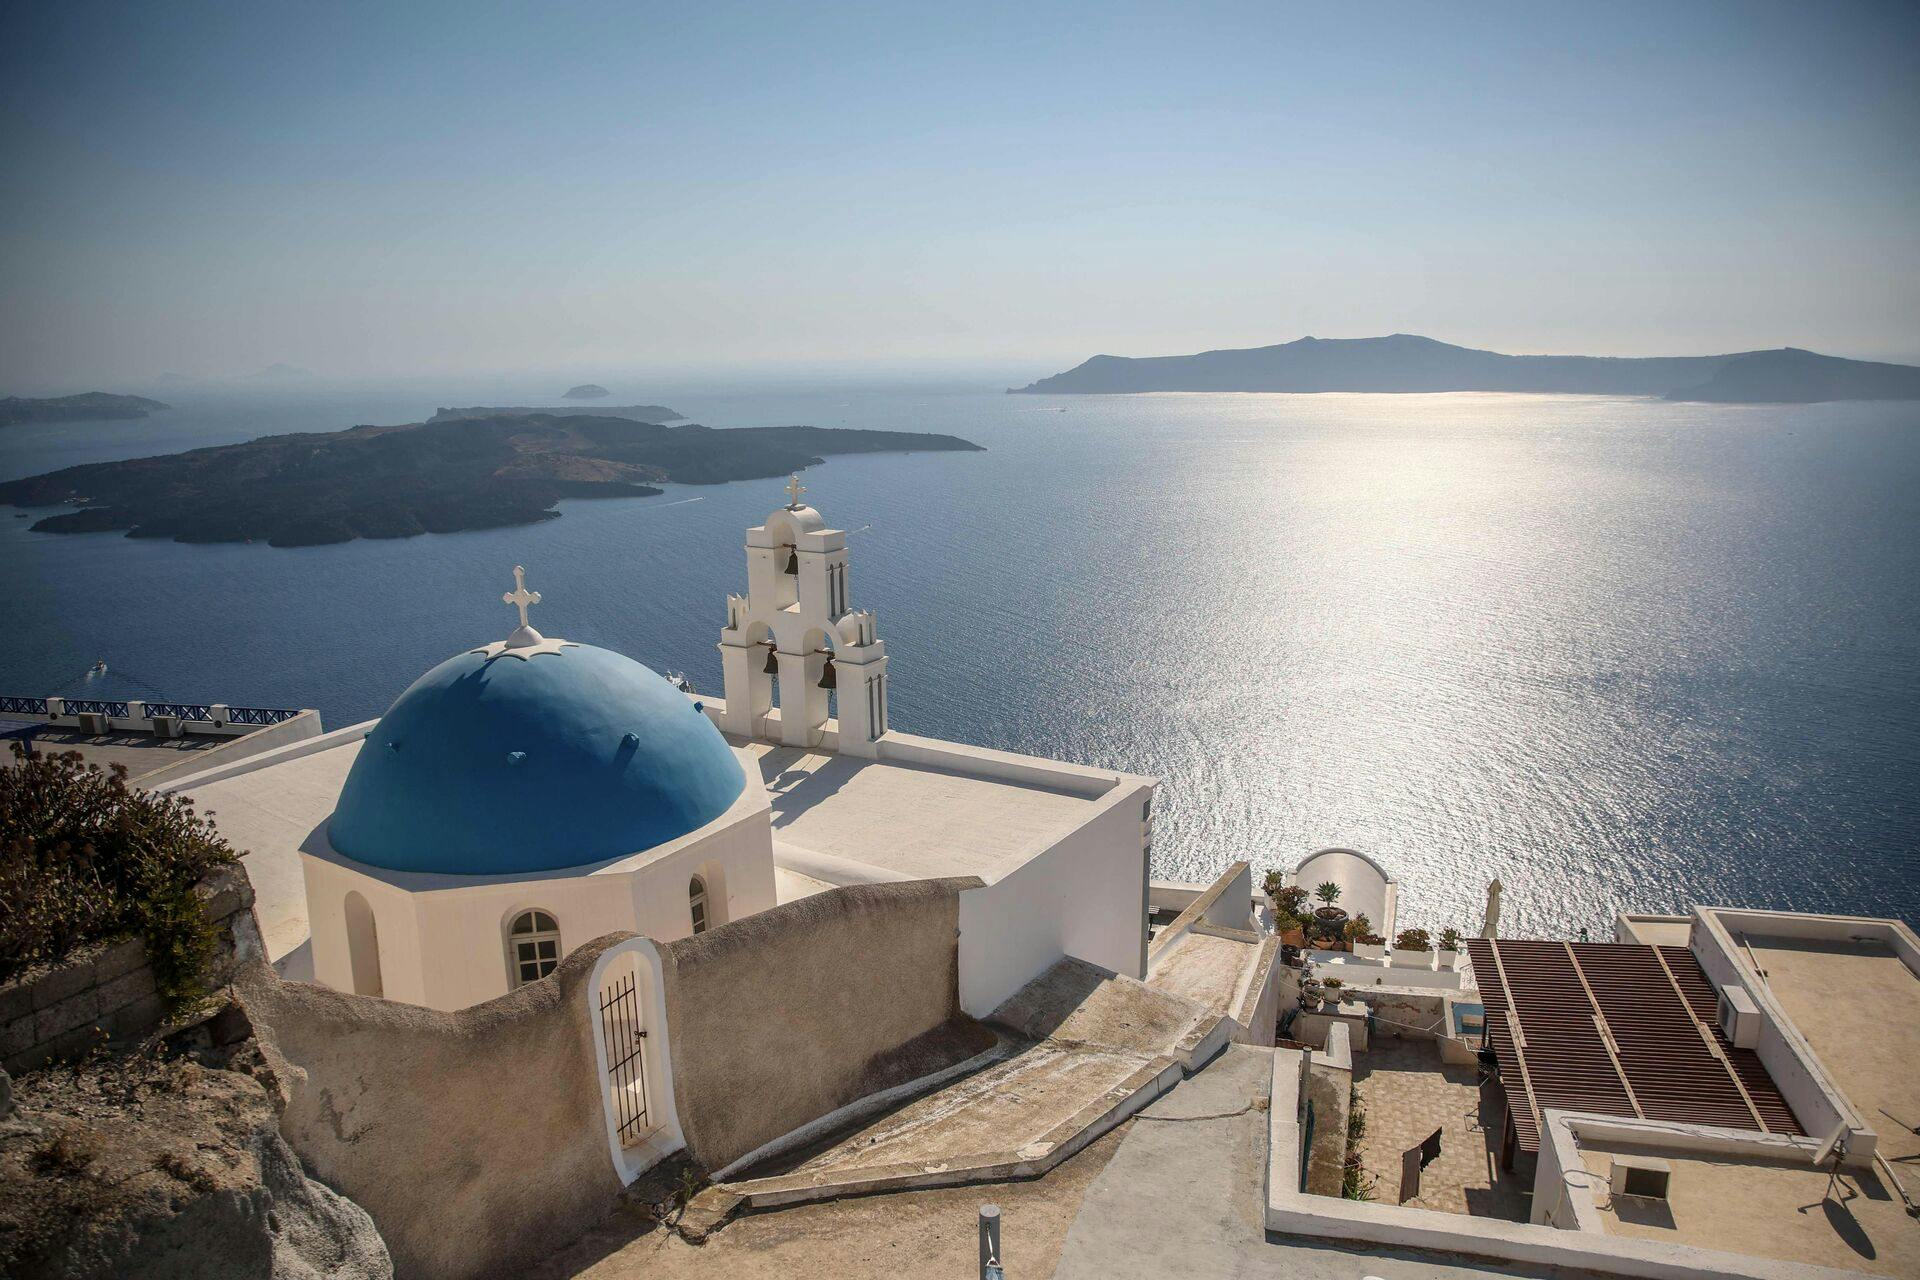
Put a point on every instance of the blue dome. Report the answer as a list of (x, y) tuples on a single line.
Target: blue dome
[(502, 765)]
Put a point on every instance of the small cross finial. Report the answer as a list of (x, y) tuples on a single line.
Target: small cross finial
[(794, 490), (520, 597)]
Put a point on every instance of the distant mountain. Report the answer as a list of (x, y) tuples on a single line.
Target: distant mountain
[(1791, 375), (638, 412), (1405, 362), (92, 406), (434, 477), (587, 391)]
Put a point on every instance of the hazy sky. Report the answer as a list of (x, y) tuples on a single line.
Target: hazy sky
[(404, 189)]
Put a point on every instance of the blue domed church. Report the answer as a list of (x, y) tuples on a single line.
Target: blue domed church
[(515, 801)]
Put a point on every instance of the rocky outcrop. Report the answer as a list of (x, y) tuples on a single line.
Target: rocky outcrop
[(163, 1166), (587, 391)]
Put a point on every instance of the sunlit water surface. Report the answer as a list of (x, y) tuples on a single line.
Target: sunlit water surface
[(1624, 654)]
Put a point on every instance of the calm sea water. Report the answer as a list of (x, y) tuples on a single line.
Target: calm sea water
[(1624, 654)]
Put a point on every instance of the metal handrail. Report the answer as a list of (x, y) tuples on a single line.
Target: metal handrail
[(181, 710), (260, 715), (94, 706), (23, 706)]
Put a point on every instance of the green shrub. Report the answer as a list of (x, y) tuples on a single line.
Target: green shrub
[(1449, 939), (1413, 940), (85, 857)]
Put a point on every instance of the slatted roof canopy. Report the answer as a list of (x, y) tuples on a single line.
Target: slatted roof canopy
[(1617, 1029)]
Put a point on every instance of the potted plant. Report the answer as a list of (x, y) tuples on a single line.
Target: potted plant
[(1413, 949), (1449, 947), (1355, 929), (1309, 988), (1330, 993), (1288, 901), (1326, 915), (1366, 943)]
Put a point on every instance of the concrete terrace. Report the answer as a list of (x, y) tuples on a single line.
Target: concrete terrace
[(1407, 1093), (908, 822), (1771, 1209), (141, 753), (1859, 1007)]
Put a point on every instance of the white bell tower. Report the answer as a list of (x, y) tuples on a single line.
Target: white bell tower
[(795, 625)]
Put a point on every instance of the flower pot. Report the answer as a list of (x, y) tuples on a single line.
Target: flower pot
[(1405, 959), (1449, 960), (1370, 950)]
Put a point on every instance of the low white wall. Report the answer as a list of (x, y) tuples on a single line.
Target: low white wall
[(1563, 1186), (1086, 897), (221, 770)]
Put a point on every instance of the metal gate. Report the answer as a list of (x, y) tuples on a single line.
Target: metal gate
[(626, 1042)]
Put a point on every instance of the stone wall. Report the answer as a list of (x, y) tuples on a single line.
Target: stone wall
[(785, 1016), (475, 1139), (106, 991)]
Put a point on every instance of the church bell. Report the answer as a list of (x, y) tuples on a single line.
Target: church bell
[(793, 563), (773, 662), (827, 678)]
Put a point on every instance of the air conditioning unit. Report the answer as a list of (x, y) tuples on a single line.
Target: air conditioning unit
[(95, 724), (166, 726), (1645, 1177), (1739, 1017)]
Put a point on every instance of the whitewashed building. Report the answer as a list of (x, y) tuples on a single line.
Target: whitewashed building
[(530, 794)]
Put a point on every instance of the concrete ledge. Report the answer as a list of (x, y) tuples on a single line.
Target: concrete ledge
[(293, 751), (1031, 1160), (1290, 1211), (864, 1109)]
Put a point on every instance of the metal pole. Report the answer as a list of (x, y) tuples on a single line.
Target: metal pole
[(990, 1242)]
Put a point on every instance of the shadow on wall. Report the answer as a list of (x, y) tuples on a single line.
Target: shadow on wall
[(782, 1017), (475, 1139)]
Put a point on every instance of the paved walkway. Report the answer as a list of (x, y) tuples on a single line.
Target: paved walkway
[(1183, 1197), (1408, 1093)]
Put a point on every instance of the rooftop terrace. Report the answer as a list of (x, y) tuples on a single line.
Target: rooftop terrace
[(910, 822), (1859, 1007)]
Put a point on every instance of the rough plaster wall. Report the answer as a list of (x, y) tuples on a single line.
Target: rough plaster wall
[(782, 1017), (1403, 1014), (475, 1139)]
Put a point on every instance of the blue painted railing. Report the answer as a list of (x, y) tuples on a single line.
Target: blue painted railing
[(259, 715), (181, 710), (202, 711), (77, 706)]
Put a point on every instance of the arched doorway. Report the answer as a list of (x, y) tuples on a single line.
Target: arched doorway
[(628, 1010), (363, 946)]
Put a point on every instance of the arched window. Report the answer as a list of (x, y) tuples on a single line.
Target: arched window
[(533, 948), (697, 901)]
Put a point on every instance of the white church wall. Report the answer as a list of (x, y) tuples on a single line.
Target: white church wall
[(396, 927), (443, 939), (1084, 897)]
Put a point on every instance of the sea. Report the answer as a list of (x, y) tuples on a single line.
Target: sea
[(1622, 654)]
